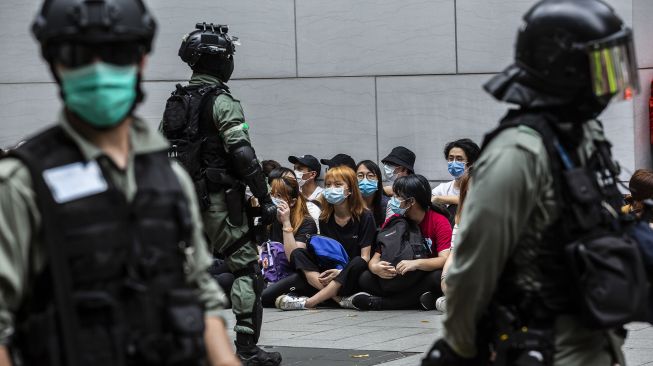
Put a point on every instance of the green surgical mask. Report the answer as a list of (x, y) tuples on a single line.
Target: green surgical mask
[(102, 94)]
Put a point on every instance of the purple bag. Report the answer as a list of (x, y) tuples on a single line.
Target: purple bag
[(274, 264)]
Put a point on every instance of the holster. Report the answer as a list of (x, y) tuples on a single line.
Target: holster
[(517, 343), (234, 192), (235, 199)]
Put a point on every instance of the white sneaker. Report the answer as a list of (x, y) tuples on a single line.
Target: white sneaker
[(441, 304), (289, 302), (347, 302)]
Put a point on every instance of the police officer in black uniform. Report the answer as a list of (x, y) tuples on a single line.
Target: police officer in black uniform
[(214, 145), (543, 200), (102, 257)]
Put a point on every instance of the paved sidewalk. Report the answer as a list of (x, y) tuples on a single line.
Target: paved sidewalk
[(404, 334)]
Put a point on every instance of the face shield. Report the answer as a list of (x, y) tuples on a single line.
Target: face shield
[(613, 66)]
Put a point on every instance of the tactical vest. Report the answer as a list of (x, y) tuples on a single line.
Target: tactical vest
[(114, 290), (535, 279)]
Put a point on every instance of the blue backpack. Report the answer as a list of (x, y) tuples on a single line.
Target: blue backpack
[(329, 252), (274, 264)]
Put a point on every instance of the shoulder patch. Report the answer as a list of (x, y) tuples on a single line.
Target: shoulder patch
[(10, 167), (530, 140)]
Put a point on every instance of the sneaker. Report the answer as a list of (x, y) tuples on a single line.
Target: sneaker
[(364, 301), (347, 302), (427, 301), (288, 302), (441, 304)]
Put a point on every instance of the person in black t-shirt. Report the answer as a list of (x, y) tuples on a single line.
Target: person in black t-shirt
[(344, 218), (294, 225), (293, 228), (371, 187)]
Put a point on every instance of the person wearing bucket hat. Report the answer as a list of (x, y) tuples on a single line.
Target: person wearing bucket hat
[(518, 291), (399, 163)]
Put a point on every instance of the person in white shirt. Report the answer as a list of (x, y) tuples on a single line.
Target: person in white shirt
[(307, 170), (460, 155)]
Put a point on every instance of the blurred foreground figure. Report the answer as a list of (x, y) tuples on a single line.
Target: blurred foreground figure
[(541, 224), (102, 257)]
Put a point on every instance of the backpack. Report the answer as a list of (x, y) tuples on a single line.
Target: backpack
[(181, 125), (329, 252), (274, 264), (603, 257), (400, 239)]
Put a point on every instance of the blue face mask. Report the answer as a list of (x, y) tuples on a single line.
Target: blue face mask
[(368, 187), (456, 168), (334, 195), (101, 93), (277, 201), (395, 206)]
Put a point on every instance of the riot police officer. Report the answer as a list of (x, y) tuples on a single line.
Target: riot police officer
[(102, 261), (544, 180), (221, 165)]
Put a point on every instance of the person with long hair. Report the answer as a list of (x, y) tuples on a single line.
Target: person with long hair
[(370, 184), (344, 218), (441, 302), (389, 287)]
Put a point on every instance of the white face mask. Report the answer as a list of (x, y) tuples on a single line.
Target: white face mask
[(389, 172), (299, 175)]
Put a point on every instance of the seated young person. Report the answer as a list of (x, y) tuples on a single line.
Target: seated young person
[(399, 287), (293, 227), (441, 302), (371, 187), (345, 219), (313, 205)]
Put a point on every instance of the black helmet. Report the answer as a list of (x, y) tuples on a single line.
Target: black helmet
[(209, 49), (570, 54), (70, 30)]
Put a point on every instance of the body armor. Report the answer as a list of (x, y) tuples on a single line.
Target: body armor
[(114, 290)]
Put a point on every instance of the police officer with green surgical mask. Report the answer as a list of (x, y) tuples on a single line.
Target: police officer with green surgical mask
[(225, 164), (102, 257)]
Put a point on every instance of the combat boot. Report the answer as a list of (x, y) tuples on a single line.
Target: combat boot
[(251, 355)]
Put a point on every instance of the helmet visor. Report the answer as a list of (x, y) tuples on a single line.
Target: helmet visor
[(613, 66)]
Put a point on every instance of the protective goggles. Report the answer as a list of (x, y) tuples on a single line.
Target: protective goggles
[(73, 55), (613, 66)]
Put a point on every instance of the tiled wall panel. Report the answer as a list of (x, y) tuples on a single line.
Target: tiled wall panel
[(319, 116), (424, 113), (20, 59), (642, 133), (375, 37), (487, 30), (642, 12), (266, 29)]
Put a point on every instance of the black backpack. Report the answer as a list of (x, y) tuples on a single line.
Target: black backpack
[(182, 125), (401, 239), (603, 257)]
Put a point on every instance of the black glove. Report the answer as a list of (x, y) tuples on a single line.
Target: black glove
[(441, 354), (268, 210)]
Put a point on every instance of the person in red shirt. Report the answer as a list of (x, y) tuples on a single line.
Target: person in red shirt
[(399, 286)]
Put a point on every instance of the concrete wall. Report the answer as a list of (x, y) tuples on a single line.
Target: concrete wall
[(322, 77)]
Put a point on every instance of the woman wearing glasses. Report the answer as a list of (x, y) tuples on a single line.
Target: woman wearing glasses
[(371, 187)]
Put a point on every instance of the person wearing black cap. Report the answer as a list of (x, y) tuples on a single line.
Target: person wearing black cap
[(338, 160), (307, 170), (399, 163)]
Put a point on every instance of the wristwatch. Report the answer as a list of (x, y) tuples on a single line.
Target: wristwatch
[(288, 229)]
